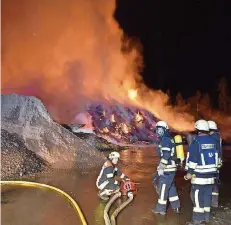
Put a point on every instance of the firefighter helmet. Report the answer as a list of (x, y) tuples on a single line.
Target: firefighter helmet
[(212, 125), (202, 125), (162, 124), (114, 155)]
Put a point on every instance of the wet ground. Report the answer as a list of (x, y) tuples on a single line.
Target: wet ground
[(31, 206)]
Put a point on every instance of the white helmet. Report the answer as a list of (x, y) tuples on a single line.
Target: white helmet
[(162, 124), (212, 125), (114, 155), (202, 125)]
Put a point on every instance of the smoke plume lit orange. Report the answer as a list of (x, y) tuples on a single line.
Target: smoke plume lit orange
[(68, 52)]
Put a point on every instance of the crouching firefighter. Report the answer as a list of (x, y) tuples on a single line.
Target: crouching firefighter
[(201, 166), (166, 187), (106, 182), (214, 132)]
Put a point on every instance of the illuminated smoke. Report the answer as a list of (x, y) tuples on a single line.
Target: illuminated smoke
[(68, 53)]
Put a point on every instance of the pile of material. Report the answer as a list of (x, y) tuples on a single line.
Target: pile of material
[(117, 123), (27, 120), (16, 159)]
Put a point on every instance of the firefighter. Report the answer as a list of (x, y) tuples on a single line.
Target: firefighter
[(166, 169), (214, 132), (201, 166), (106, 182)]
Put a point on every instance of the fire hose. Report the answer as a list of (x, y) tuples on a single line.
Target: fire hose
[(107, 207), (127, 188), (121, 207), (39, 185)]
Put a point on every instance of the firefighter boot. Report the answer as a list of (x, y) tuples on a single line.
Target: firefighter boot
[(196, 223), (158, 212), (177, 210), (103, 196)]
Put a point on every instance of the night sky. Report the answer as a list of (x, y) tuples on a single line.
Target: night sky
[(186, 44)]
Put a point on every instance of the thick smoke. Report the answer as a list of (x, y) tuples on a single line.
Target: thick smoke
[(68, 52)]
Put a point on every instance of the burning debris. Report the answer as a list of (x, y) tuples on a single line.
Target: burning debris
[(117, 123), (82, 55)]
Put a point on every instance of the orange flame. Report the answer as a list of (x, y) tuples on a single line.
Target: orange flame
[(132, 94), (69, 53)]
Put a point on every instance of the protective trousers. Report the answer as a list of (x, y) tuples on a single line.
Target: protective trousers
[(215, 195), (109, 189), (201, 196), (167, 191)]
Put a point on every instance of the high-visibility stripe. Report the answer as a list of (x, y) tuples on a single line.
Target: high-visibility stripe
[(170, 169), (166, 149), (197, 204), (206, 170), (196, 180), (100, 175), (170, 166), (187, 163), (164, 161), (202, 159), (192, 165), (106, 192), (103, 185), (162, 191), (109, 175), (196, 196), (172, 199), (198, 210), (207, 209), (215, 193), (162, 202), (216, 159)]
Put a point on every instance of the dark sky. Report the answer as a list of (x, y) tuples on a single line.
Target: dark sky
[(187, 44)]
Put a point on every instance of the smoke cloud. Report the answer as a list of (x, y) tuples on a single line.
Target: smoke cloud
[(68, 53)]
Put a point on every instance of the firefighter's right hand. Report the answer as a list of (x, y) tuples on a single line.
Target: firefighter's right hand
[(188, 176)]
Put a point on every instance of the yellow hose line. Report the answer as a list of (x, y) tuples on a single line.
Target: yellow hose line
[(33, 184)]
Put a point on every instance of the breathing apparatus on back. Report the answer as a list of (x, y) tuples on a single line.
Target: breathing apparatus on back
[(179, 148)]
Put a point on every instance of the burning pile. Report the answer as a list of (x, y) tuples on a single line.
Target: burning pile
[(118, 123), (73, 52)]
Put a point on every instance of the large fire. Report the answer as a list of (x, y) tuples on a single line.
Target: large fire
[(68, 53), (132, 94)]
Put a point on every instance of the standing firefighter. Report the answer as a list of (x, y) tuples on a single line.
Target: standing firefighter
[(166, 171), (213, 131), (106, 181), (201, 166)]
